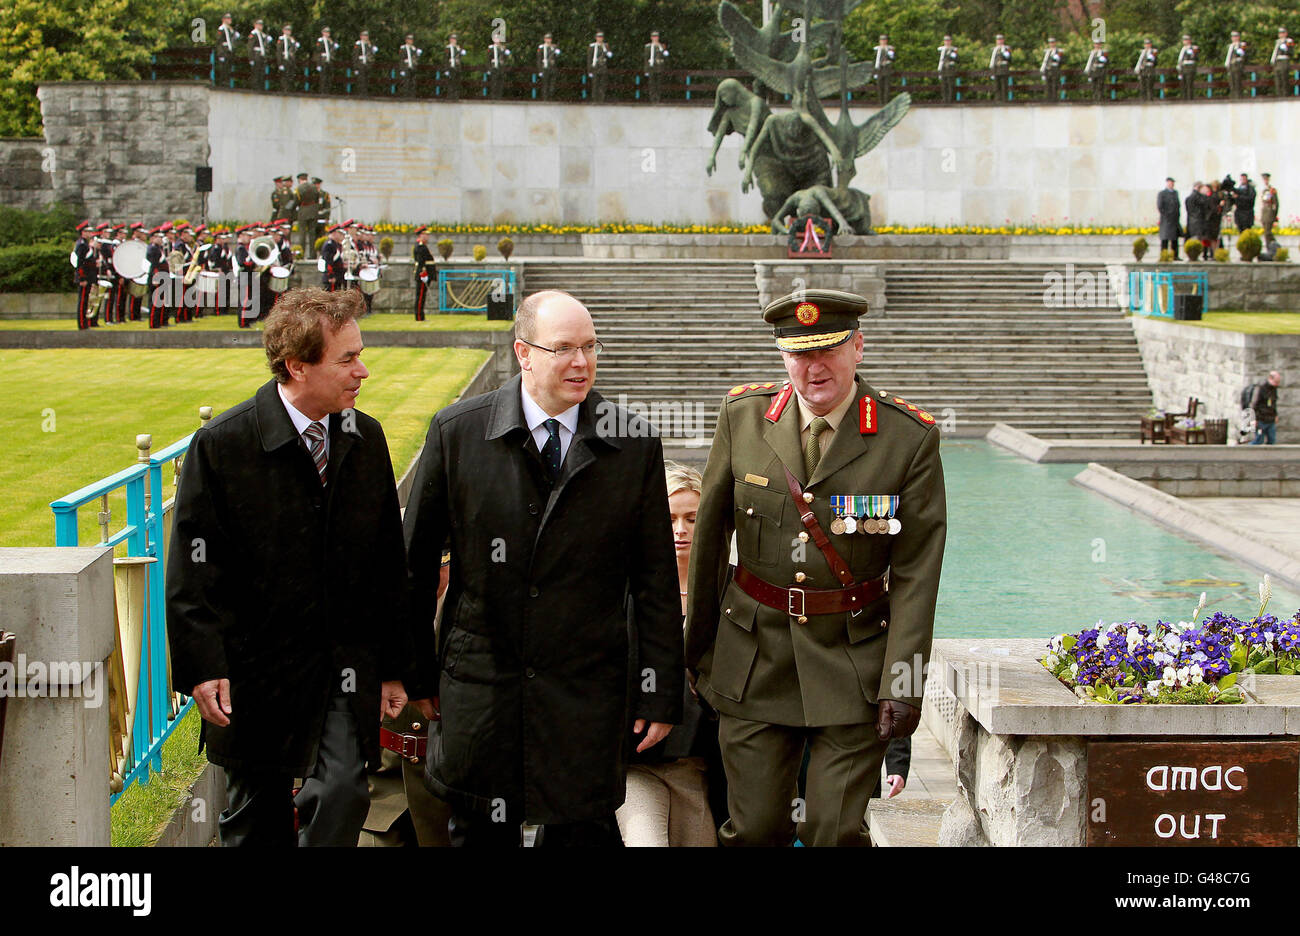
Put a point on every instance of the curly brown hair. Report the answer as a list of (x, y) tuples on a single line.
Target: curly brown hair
[(296, 326)]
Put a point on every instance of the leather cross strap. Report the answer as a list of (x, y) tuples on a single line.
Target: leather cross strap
[(838, 565), (405, 743), (807, 602)]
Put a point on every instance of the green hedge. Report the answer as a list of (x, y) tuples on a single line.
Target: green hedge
[(41, 268), (56, 224)]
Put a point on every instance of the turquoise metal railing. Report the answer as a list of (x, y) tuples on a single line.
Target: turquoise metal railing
[(1151, 293), (471, 290), (145, 535)]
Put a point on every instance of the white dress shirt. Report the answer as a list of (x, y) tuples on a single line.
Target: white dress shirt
[(536, 418), (301, 422)]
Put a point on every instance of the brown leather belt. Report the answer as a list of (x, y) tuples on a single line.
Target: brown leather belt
[(403, 742), (805, 602)]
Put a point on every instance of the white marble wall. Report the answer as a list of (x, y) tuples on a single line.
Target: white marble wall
[(521, 162)]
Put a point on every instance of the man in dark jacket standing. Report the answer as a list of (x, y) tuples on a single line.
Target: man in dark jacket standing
[(555, 507), (1196, 211), (1244, 214), (285, 586), (1264, 402), (1168, 206)]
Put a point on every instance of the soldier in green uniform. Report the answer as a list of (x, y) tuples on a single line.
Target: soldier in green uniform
[(834, 490), (323, 208), (308, 198)]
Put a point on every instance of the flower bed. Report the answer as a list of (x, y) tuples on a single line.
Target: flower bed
[(1183, 663)]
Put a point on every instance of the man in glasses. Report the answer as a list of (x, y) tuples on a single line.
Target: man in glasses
[(554, 506)]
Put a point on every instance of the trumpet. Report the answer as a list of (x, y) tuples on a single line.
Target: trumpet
[(263, 252)]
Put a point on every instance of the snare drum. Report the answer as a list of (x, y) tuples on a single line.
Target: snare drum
[(208, 281), (369, 280), (139, 286), (279, 281)]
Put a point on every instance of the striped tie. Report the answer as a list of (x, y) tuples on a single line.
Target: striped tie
[(315, 436)]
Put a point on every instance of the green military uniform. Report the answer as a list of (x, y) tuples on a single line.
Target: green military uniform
[(307, 198), (402, 811), (780, 677)]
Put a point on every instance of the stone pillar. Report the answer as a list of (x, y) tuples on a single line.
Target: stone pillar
[(55, 770)]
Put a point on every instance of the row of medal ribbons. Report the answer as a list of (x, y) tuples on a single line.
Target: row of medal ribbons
[(865, 513)]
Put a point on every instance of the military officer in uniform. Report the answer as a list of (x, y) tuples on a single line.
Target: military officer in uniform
[(834, 490), (308, 198), (1095, 69), (598, 56), (948, 70), (1187, 68), (1235, 63), (498, 62), (325, 57), (1281, 62), (227, 36), (1145, 69), (1268, 207), (363, 62), (426, 273), (547, 62), (1050, 69), (286, 55), (1000, 69), (452, 55), (654, 58), (323, 208), (259, 51), (883, 69), (408, 61)]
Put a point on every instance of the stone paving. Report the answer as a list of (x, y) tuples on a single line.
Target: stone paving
[(1275, 520)]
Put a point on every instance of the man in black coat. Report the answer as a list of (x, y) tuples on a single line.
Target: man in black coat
[(286, 609), (1168, 206), (555, 507), (1196, 213), (1244, 214)]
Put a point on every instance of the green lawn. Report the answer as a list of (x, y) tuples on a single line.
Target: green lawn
[(1253, 323), (73, 415), (379, 321), (141, 813)]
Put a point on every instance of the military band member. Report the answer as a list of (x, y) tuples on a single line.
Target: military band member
[(498, 61), (221, 260), (1268, 206), (883, 68), (363, 63), (227, 36), (948, 70), (654, 57), (85, 273), (1000, 69), (426, 272), (369, 252), (598, 57), (1235, 63), (548, 56), (187, 303), (1281, 62), (452, 55), (331, 252), (1050, 69), (835, 493), (1145, 69), (159, 281), (286, 57), (308, 198), (1095, 69), (108, 301), (260, 49), (325, 58), (1187, 68), (245, 271), (408, 62)]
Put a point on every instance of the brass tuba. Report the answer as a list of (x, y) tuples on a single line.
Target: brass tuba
[(263, 252)]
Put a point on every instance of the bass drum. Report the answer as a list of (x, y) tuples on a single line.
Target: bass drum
[(129, 259), (139, 286), (208, 280), (368, 277), (279, 281)]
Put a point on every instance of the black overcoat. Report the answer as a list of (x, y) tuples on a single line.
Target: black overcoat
[(290, 589), (1167, 205), (532, 656)]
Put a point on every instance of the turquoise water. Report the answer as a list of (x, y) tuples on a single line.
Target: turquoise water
[(1031, 555)]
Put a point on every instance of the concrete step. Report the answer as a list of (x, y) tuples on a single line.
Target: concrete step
[(905, 823)]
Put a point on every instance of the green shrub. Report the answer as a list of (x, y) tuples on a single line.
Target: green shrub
[(36, 268), (506, 247), (1249, 245), (1139, 249), (1221, 255), (1282, 255), (1193, 250), (479, 252), (444, 248), (57, 224), (320, 241), (386, 247), (1166, 256)]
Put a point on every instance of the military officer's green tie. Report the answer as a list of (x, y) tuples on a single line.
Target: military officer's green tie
[(812, 452)]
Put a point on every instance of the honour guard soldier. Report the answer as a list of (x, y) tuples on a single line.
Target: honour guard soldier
[(598, 56), (259, 50), (425, 270), (1187, 68), (363, 63), (1268, 207), (654, 57), (452, 54), (108, 301), (133, 304), (547, 62), (188, 304), (1235, 63), (1050, 69), (286, 56), (1098, 63), (498, 61), (85, 273), (835, 493), (158, 278), (221, 259), (308, 198), (121, 234), (325, 58), (245, 270), (1000, 69), (948, 70), (323, 209), (332, 253), (883, 69), (227, 36), (282, 197), (408, 61), (1281, 62), (1145, 69)]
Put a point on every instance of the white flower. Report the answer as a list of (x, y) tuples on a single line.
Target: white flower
[(1183, 626), (1184, 676), (1160, 658), (1102, 639), (1074, 669), (1265, 590), (1134, 638), (1153, 688), (1196, 673), (1170, 676), (1268, 639), (1052, 661), (1172, 643), (1200, 606), (1057, 642)]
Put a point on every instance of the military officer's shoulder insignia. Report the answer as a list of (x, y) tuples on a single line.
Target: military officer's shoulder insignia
[(867, 421), (742, 389), (911, 409)]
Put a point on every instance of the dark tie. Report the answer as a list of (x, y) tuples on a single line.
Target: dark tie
[(315, 436), (812, 452), (551, 450)]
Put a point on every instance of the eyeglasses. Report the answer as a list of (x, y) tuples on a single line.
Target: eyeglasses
[(568, 352)]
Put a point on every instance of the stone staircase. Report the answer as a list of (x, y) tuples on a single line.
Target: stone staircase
[(971, 342)]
